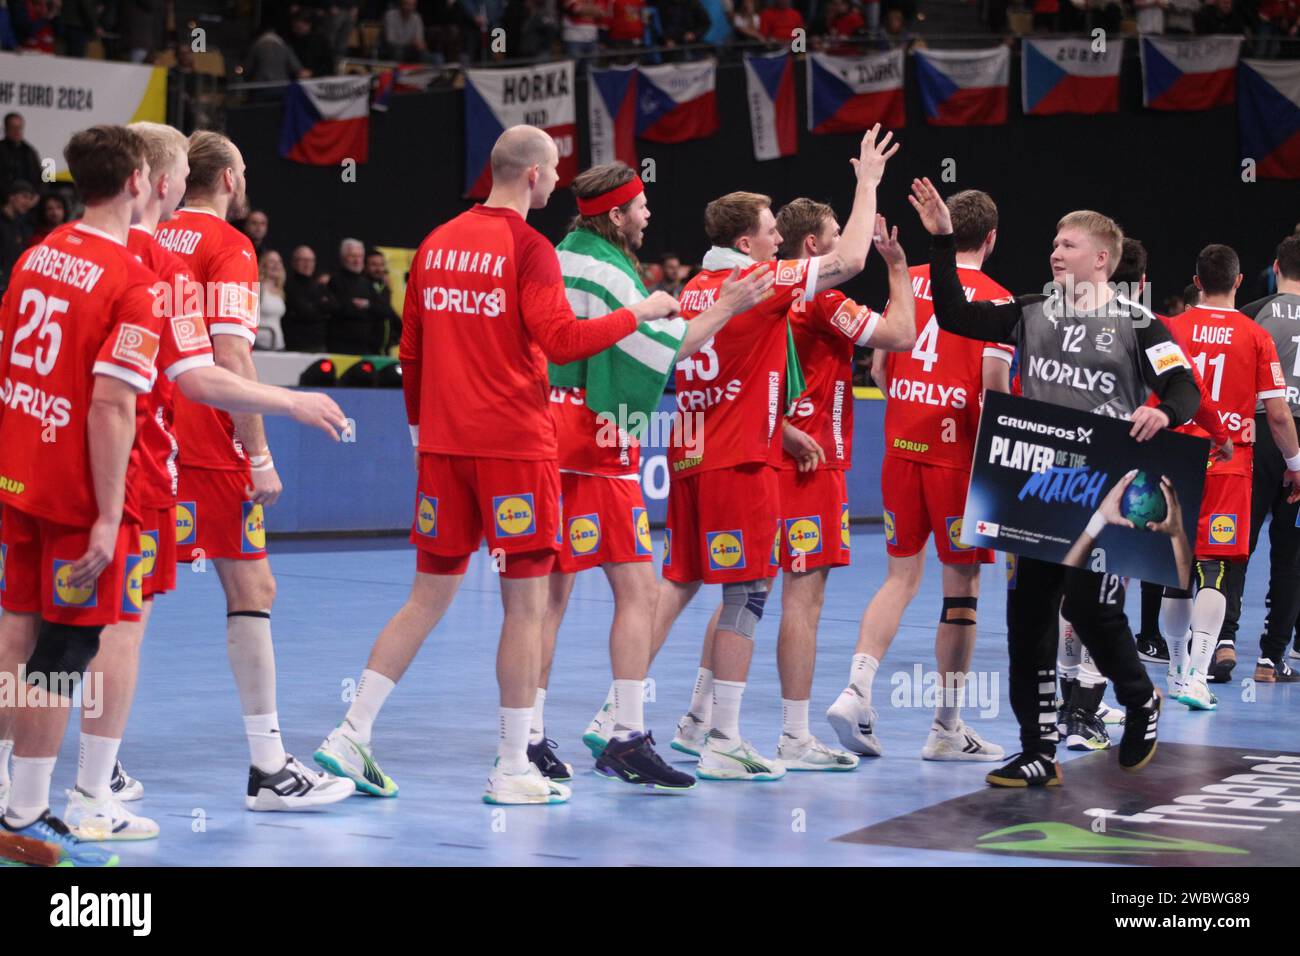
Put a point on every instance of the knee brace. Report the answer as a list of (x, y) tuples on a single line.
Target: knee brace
[(1211, 573), (742, 607), (959, 611), (63, 652)]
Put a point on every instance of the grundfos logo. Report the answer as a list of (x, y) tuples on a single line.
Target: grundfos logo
[(1083, 435)]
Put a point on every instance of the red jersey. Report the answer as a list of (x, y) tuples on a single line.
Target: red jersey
[(731, 392), (825, 332), (587, 445), (184, 345), (78, 305), (1239, 363), (777, 24), (1207, 412), (221, 260), (936, 390), (625, 23), (485, 308)]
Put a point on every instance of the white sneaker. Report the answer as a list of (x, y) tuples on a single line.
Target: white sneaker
[(854, 724), (4, 798), (294, 787), (809, 753), (596, 736), (1110, 716), (105, 819), (960, 743), (690, 735), (722, 758), (1295, 653), (1195, 693), (125, 787), (344, 754), (526, 786), (1174, 681)]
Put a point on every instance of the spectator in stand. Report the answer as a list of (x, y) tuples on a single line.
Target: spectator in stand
[(270, 302), (1046, 15), (79, 24), (1273, 20), (747, 22), (340, 20), (308, 304), (51, 212), (377, 273), (529, 33), (1221, 16), (356, 327), (310, 45), (673, 279), (255, 226), (845, 23), (1180, 16), (1150, 15), (15, 230), (404, 34), (778, 22), (626, 27), (683, 22), (33, 23), (478, 18), (581, 27), (140, 25), (271, 60), (720, 32), (896, 33), (18, 158)]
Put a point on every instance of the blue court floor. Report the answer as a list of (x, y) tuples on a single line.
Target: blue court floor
[(436, 736)]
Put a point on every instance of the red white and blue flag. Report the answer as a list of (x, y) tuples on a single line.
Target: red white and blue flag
[(964, 87), (540, 95), (326, 121), (848, 94), (773, 119), (611, 115), (1191, 74), (1268, 111), (403, 78), (1070, 76), (677, 102)]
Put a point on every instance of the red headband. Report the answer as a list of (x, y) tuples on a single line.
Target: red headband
[(612, 199)]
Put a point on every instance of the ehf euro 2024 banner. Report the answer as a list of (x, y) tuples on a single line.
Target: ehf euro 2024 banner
[(58, 96), (1073, 488)]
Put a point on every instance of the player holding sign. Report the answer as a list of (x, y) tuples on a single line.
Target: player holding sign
[(931, 417), (1240, 365)]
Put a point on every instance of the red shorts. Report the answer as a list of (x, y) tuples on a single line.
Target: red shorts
[(216, 519), (1223, 530), (158, 548), (813, 505), (460, 499), (725, 524), (36, 556), (920, 499), (605, 522)]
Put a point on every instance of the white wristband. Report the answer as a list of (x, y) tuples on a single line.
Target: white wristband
[(261, 462), (1095, 525), (1293, 463), (415, 435)]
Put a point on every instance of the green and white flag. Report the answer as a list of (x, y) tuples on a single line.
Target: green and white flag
[(630, 375)]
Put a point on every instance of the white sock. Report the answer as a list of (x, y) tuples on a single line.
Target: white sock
[(1068, 651), (252, 660), (512, 744), (794, 718), (265, 747), (6, 748), (948, 713), (629, 711), (537, 723), (702, 696), (30, 795), (372, 691), (862, 674), (1175, 619), (1207, 619), (95, 765), (726, 707)]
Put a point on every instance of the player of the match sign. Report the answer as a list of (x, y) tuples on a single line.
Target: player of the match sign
[(1073, 488)]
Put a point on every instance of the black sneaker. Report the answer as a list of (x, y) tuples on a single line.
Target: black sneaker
[(125, 788), (1153, 649), (1268, 672), (1225, 659), (1064, 707), (1027, 770), (543, 756), (1138, 744), (1086, 731), (635, 761)]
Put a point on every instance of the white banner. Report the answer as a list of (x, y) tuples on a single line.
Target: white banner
[(57, 96)]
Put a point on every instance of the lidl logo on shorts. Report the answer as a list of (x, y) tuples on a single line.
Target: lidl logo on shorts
[(1012, 567), (584, 534), (844, 524), (668, 546), (65, 594), (148, 552), (426, 516), (641, 522), (187, 519), (891, 535), (254, 539), (726, 549), (804, 534), (515, 515), (4, 550), (133, 585), (954, 534), (776, 546), (559, 525), (1223, 529)]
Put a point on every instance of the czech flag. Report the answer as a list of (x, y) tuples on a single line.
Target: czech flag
[(964, 87), (326, 121), (848, 94), (1194, 74), (677, 102), (1069, 76), (1268, 111), (540, 95), (611, 115), (769, 82), (403, 78)]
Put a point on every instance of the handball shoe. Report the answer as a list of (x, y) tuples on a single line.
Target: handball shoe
[(344, 754)]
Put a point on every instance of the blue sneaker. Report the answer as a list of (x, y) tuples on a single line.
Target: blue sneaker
[(47, 842)]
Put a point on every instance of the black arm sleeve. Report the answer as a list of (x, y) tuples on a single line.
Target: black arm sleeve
[(1176, 388), (986, 321)]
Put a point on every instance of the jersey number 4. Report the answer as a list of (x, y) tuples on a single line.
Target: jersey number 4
[(43, 325), (926, 350)]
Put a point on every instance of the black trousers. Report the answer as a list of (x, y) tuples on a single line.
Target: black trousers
[(1268, 498), (1094, 604)]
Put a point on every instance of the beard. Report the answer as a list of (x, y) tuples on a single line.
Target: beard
[(239, 207), (634, 239)]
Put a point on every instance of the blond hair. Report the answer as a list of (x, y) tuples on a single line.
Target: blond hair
[(1104, 230), (211, 154), (163, 147), (736, 214)]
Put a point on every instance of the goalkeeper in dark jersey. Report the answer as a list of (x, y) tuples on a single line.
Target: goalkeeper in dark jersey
[(1114, 381)]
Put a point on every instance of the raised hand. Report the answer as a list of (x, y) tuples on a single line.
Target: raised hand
[(930, 207), (870, 162), (887, 244)]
